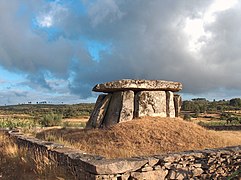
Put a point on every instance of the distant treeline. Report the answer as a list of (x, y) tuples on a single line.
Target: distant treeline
[(39, 110), (201, 105)]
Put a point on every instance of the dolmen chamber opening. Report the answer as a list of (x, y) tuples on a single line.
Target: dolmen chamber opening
[(127, 99)]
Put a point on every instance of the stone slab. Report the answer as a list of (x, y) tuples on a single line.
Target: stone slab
[(98, 114), (170, 104), (150, 175), (127, 108), (120, 109), (113, 111), (138, 85), (116, 166), (177, 104), (150, 103)]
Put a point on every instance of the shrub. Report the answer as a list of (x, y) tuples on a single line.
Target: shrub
[(16, 123), (187, 117), (51, 120)]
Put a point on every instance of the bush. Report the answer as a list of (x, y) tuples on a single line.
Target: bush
[(187, 117), (51, 120)]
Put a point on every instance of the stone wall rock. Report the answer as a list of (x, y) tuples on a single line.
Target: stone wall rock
[(150, 103)]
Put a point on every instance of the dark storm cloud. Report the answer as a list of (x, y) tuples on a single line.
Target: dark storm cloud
[(146, 41)]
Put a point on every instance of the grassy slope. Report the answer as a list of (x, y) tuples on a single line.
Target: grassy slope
[(146, 136)]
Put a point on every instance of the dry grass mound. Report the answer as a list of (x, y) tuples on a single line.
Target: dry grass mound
[(146, 136)]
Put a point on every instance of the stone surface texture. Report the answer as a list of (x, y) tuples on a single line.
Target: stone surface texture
[(150, 103), (113, 111), (205, 164), (170, 104), (120, 109), (138, 85), (177, 104), (98, 114), (127, 109)]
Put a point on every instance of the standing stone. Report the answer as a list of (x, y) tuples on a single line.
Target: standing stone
[(127, 109), (177, 104), (150, 103), (120, 108), (98, 114), (170, 104)]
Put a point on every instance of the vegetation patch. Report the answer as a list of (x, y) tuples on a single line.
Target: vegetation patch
[(44, 115), (23, 163)]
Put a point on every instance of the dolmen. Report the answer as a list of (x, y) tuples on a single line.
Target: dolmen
[(127, 99)]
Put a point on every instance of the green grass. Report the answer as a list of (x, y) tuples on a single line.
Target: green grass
[(42, 115), (218, 123), (17, 123)]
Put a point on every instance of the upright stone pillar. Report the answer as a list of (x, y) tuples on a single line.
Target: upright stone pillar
[(170, 104), (98, 114), (150, 103), (120, 109), (127, 110), (177, 104)]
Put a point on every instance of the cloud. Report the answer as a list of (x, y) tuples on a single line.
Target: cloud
[(144, 39), (104, 10)]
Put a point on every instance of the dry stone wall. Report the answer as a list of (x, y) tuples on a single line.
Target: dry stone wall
[(206, 164), (128, 99)]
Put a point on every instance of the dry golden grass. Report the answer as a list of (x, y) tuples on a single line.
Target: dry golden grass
[(231, 137), (146, 136), (22, 163), (82, 119)]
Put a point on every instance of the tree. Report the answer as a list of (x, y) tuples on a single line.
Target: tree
[(235, 102)]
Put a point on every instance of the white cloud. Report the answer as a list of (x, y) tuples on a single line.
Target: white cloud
[(51, 14), (45, 21), (195, 27)]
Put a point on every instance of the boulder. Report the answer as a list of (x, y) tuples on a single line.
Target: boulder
[(138, 85), (150, 103), (170, 104)]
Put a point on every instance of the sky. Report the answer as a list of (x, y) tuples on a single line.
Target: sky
[(57, 50)]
